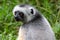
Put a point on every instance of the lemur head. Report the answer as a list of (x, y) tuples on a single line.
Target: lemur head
[(25, 13)]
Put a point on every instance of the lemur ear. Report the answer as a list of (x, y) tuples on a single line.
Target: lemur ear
[(32, 12)]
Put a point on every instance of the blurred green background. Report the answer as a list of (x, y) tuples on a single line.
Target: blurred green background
[(9, 27)]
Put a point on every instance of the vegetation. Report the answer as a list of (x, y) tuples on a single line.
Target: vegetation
[(9, 27)]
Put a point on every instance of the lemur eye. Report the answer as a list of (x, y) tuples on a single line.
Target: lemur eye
[(32, 11), (16, 12)]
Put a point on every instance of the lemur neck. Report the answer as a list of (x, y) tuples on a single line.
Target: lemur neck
[(37, 18)]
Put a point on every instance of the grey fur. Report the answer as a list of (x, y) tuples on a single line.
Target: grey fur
[(37, 28)]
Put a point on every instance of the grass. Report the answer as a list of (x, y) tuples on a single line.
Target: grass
[(9, 27)]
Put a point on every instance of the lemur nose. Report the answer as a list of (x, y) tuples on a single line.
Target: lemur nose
[(17, 19)]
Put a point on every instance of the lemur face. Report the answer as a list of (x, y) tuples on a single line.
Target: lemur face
[(24, 13)]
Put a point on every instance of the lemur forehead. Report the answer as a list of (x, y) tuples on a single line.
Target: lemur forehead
[(22, 8), (17, 8), (22, 5), (26, 6)]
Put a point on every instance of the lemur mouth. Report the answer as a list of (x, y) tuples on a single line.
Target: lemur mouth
[(19, 16)]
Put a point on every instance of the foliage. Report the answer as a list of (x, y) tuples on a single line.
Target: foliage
[(9, 27)]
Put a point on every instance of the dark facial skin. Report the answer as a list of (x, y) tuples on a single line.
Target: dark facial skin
[(19, 16)]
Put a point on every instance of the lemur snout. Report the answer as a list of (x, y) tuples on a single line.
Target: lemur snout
[(19, 16)]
